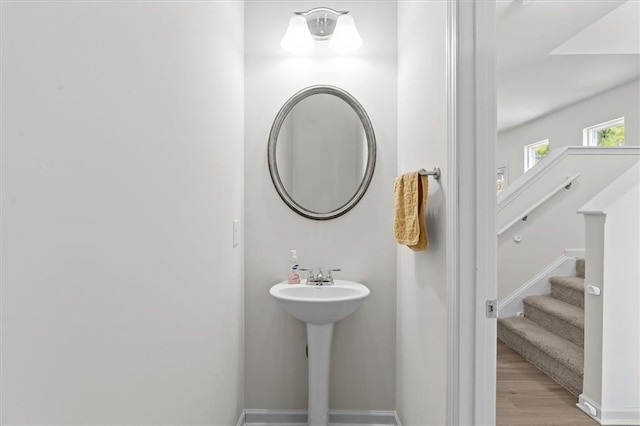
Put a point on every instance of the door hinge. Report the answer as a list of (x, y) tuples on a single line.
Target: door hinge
[(492, 308)]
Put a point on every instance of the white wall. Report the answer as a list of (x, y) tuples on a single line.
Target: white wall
[(422, 118), (564, 127), (360, 242), (122, 148)]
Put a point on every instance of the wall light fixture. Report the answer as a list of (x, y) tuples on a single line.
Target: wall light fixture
[(321, 24)]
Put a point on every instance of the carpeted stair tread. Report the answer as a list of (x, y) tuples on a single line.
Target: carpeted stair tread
[(570, 355), (561, 318), (568, 289), (558, 309), (574, 283)]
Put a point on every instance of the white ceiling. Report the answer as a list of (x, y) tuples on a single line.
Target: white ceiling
[(553, 53)]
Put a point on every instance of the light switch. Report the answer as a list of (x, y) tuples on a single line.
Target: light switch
[(236, 232)]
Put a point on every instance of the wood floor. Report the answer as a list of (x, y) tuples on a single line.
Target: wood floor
[(527, 397)]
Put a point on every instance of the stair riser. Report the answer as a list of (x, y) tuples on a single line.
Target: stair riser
[(567, 295), (556, 325), (548, 365), (580, 268)]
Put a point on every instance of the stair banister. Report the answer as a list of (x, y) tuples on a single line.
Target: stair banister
[(515, 189)]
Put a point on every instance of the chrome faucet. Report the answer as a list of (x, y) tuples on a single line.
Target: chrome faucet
[(329, 275), (324, 277)]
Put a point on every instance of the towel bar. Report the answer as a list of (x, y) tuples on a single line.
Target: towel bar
[(435, 173)]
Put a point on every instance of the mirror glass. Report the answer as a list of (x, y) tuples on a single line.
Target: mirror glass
[(321, 152)]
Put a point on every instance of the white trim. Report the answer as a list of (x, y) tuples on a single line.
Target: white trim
[(471, 202), (451, 226), (486, 244), (255, 417), (601, 202), (537, 285), (373, 417), (398, 422), (568, 180), (620, 416), (583, 404), (610, 416), (605, 416), (514, 190), (575, 253), (266, 417), (241, 419)]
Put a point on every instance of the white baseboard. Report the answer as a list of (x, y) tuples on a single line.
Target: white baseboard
[(608, 416), (591, 408), (621, 416), (254, 417), (565, 265), (241, 419)]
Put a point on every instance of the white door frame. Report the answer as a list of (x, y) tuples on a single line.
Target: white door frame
[(471, 213)]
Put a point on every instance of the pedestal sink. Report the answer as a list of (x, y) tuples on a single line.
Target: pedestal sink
[(320, 307)]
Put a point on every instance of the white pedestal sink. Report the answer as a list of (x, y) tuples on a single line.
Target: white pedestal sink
[(320, 307)]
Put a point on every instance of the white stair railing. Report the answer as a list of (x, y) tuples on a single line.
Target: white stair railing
[(552, 223)]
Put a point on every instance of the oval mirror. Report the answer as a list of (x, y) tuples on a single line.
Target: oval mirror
[(322, 152)]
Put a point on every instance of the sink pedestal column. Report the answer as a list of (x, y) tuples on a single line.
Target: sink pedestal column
[(319, 344)]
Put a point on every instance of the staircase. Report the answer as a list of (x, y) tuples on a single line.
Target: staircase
[(551, 333)]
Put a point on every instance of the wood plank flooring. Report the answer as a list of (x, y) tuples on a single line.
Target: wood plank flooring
[(527, 397)]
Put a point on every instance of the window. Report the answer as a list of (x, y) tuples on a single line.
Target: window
[(501, 179), (534, 153), (606, 134)]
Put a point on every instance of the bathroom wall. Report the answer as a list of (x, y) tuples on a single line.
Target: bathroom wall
[(360, 242), (422, 119), (564, 127), (122, 167)]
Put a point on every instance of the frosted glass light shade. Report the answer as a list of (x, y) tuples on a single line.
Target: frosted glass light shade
[(345, 37), (297, 38)]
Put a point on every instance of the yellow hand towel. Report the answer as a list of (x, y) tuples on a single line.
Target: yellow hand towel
[(411, 191)]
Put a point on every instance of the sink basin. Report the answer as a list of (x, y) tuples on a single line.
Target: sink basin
[(320, 305)]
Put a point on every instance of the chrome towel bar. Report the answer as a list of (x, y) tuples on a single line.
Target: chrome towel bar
[(435, 173)]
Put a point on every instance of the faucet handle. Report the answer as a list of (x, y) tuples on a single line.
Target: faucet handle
[(329, 276)]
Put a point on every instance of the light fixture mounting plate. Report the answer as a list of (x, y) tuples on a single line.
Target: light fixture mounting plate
[(321, 21)]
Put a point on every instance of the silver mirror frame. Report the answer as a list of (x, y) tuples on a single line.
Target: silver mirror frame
[(273, 141)]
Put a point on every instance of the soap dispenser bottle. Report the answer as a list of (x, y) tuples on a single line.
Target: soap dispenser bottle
[(294, 269)]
